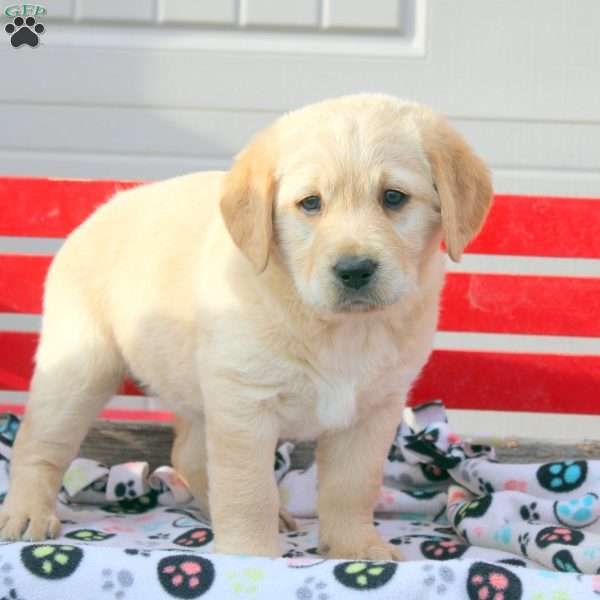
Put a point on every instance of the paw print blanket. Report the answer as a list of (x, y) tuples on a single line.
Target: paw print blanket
[(469, 527)]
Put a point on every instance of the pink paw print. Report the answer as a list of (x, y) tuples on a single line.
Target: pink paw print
[(516, 485)]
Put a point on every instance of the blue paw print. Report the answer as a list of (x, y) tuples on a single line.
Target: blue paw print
[(562, 476), (577, 512)]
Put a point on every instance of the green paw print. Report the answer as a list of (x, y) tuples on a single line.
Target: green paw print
[(51, 561), (363, 575), (246, 581), (554, 596), (89, 535)]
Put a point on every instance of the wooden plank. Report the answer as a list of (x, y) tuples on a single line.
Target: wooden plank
[(479, 302), (113, 442), (511, 381)]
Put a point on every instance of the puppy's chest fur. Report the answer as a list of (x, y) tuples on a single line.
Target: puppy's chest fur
[(343, 375)]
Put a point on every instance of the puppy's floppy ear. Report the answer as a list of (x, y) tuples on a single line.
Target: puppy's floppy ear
[(462, 180), (247, 200)]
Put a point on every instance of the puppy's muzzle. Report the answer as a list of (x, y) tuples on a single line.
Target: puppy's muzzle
[(355, 272)]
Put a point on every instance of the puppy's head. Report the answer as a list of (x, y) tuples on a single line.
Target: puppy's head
[(352, 194)]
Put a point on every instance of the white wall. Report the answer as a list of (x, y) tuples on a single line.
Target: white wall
[(152, 88)]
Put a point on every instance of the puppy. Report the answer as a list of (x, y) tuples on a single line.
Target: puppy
[(294, 296)]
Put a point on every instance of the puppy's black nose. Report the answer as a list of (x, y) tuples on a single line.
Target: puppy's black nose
[(355, 271)]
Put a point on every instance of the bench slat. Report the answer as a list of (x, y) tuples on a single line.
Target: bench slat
[(483, 380), (51, 207), (512, 381), (17, 349), (517, 225), (477, 302), (541, 226)]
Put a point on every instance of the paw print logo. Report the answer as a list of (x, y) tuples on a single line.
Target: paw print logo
[(24, 31)]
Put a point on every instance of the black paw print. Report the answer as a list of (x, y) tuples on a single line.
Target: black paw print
[(513, 562), (297, 534), (12, 595), (24, 31), (136, 552), (123, 490), (485, 486), (395, 454), (524, 540), (529, 513)]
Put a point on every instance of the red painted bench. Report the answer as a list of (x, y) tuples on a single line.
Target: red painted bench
[(472, 302)]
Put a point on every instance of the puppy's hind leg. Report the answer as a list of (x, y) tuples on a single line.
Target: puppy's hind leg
[(189, 458), (78, 368)]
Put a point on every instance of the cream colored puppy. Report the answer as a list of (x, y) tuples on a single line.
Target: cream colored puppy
[(294, 296)]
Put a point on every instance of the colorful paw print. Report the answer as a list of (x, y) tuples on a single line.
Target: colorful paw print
[(558, 535), (432, 472), (184, 576), (195, 538), (474, 509), (492, 582), (443, 549), (246, 581), (364, 575), (562, 476), (51, 561), (578, 512), (563, 561), (89, 535)]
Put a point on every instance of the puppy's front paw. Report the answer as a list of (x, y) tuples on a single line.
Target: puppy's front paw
[(28, 522), (360, 545), (379, 551)]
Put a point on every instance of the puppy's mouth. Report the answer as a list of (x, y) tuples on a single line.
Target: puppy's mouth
[(362, 303)]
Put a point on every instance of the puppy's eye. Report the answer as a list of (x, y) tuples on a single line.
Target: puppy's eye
[(394, 199), (311, 204)]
